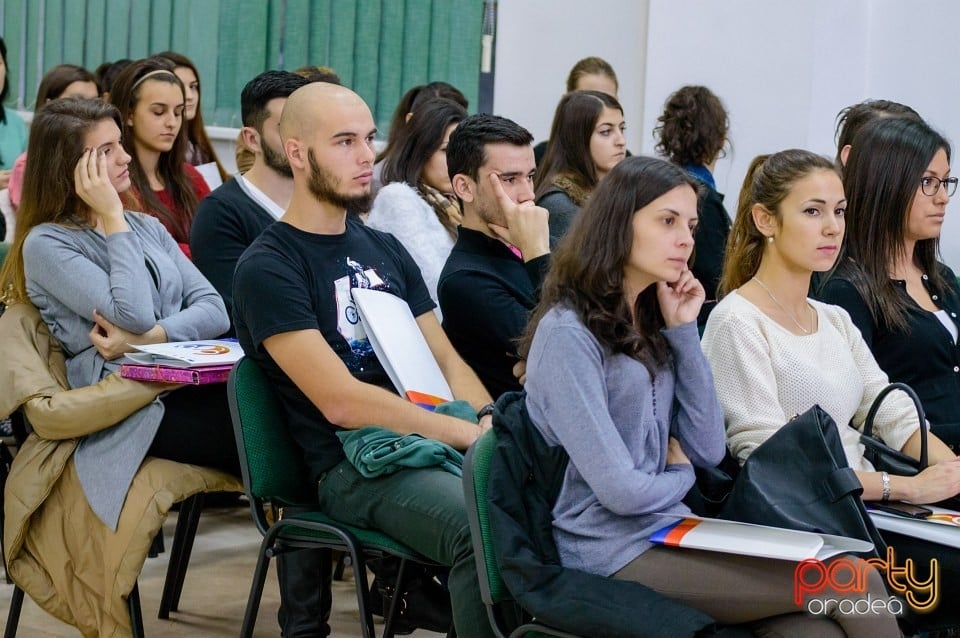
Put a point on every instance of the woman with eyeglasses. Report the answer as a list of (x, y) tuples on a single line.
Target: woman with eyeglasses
[(905, 302)]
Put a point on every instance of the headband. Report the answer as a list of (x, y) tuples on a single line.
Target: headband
[(147, 76)]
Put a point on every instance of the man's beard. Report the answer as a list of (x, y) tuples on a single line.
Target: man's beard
[(275, 160), (324, 187)]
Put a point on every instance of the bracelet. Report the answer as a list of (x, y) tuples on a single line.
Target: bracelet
[(885, 483), (485, 410)]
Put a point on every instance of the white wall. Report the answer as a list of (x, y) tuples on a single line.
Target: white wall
[(784, 69), (539, 40)]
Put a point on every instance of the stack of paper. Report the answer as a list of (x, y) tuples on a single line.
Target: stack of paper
[(194, 362)]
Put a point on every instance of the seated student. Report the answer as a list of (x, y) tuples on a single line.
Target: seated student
[(775, 352), (295, 318), (63, 80), (691, 132), (586, 142), (615, 376), (104, 279), (409, 103), (199, 148), (106, 73), (851, 119), (151, 101), (589, 74), (233, 215), (244, 155), (492, 279), (903, 300), (51, 534), (414, 205)]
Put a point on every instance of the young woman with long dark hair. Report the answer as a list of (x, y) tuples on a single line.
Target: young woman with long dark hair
[(615, 376), (151, 101), (104, 279), (586, 142), (415, 204), (199, 148), (902, 298)]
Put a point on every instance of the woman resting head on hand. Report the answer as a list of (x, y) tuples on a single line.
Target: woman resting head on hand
[(616, 376), (103, 279)]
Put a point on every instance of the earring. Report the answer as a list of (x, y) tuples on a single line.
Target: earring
[(769, 240)]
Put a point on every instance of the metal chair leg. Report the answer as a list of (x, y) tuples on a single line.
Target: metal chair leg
[(391, 617), (136, 616), (256, 587), (156, 546), (186, 530), (13, 615), (342, 563)]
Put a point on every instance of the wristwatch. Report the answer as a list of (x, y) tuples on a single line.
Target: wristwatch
[(485, 410), (885, 486)]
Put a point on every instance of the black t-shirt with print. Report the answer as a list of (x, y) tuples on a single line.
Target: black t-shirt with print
[(290, 280)]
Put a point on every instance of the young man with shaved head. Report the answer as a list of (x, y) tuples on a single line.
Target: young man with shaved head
[(295, 317)]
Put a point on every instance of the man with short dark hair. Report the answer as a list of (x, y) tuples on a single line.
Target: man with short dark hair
[(295, 317), (232, 216), (492, 279)]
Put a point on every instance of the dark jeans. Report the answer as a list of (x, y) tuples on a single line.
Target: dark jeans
[(196, 429), (424, 509)]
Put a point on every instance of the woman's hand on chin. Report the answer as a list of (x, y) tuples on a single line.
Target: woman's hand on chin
[(681, 300), (92, 181)]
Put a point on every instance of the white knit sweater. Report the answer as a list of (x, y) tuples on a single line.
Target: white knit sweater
[(765, 375), (400, 211)]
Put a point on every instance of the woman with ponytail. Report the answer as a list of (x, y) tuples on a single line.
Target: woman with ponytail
[(775, 353)]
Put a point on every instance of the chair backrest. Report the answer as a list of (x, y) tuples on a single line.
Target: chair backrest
[(271, 463), (476, 472)]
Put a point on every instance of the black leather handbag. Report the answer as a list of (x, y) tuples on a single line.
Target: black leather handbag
[(884, 458), (799, 479)]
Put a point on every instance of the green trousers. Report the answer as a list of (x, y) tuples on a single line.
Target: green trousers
[(423, 509)]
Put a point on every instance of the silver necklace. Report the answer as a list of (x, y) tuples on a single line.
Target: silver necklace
[(780, 305)]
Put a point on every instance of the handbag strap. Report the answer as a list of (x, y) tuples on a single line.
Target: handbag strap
[(868, 424)]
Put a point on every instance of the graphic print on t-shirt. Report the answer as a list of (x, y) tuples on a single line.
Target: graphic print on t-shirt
[(348, 319)]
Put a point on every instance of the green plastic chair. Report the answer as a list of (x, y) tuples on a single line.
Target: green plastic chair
[(274, 472), (502, 610)]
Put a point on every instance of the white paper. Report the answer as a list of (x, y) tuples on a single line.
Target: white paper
[(944, 532), (748, 539), (400, 346)]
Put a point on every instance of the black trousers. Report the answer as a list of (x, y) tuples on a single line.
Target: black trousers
[(196, 429)]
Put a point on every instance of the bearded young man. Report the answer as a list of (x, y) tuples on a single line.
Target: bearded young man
[(232, 216), (295, 318)]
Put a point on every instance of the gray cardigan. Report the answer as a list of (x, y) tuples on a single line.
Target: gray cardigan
[(135, 280), (603, 409)]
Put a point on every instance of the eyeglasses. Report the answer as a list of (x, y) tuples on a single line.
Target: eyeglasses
[(930, 185)]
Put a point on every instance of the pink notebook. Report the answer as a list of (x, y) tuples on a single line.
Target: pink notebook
[(193, 376)]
